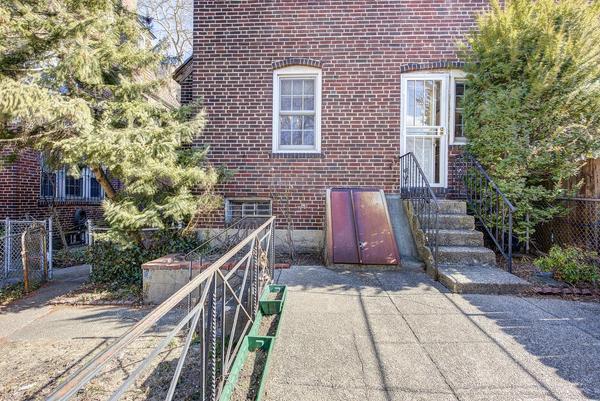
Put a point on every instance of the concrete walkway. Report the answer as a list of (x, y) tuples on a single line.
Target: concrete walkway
[(401, 336)]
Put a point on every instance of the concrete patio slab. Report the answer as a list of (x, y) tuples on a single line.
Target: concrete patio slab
[(451, 328), (425, 304), (386, 335)]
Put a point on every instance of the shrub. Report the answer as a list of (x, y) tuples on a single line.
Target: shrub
[(69, 257), (532, 106), (571, 265), (120, 266)]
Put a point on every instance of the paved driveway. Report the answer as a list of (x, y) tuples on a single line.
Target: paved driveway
[(401, 336)]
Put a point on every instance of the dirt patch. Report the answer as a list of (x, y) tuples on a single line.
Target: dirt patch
[(246, 388), (95, 294), (544, 285), (268, 325)]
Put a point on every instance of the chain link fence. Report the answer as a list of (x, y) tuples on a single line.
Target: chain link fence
[(578, 227), (24, 251)]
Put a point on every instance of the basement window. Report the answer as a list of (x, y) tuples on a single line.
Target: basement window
[(236, 209)]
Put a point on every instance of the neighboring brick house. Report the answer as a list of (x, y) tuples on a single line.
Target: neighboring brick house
[(302, 96), (27, 190)]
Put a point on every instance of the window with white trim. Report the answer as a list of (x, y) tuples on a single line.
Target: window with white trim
[(297, 110), (60, 185), (457, 121), (236, 209)]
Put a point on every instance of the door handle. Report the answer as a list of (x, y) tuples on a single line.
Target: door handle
[(441, 130)]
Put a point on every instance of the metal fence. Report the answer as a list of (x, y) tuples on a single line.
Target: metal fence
[(579, 226), (225, 303), (25, 251)]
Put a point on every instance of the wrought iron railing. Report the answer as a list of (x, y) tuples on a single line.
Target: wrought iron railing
[(225, 302), (415, 187), (490, 206)]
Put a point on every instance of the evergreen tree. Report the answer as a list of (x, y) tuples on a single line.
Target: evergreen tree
[(75, 83), (532, 106)]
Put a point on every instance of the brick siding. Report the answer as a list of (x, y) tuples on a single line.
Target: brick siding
[(362, 48)]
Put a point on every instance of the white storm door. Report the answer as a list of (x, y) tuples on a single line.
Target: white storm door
[(425, 123)]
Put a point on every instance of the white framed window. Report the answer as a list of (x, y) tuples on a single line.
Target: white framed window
[(297, 110), (457, 94), (237, 208), (60, 185)]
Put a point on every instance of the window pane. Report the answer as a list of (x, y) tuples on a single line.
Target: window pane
[(410, 112), (286, 138), (309, 138), (309, 103), (309, 87), (419, 103), (459, 91), (438, 103), (286, 122), (297, 122), (286, 87), (73, 186), (297, 103), (309, 122), (286, 103), (297, 90), (297, 138), (94, 187), (48, 183), (458, 124)]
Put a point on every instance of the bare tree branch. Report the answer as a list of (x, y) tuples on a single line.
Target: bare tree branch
[(172, 21)]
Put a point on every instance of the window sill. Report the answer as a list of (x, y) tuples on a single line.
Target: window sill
[(297, 155), (458, 143), (82, 201)]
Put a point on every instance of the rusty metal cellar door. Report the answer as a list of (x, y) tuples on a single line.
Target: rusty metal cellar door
[(361, 230)]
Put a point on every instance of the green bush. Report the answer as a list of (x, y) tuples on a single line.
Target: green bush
[(69, 257), (571, 265), (119, 266), (532, 105)]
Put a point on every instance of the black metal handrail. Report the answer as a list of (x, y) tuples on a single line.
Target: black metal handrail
[(415, 187), (488, 203), (226, 296)]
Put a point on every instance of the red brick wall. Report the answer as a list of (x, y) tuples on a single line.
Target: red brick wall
[(362, 47)]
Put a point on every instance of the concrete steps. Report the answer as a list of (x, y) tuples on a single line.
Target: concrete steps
[(460, 238), (464, 265), (456, 222), (466, 255), (452, 207), (480, 280)]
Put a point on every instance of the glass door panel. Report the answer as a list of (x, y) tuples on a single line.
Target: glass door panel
[(425, 111)]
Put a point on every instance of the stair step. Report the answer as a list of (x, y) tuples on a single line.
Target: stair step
[(466, 255), (452, 206), (480, 280), (460, 237), (456, 222)]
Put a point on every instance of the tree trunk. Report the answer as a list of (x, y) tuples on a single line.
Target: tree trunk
[(111, 194), (104, 182)]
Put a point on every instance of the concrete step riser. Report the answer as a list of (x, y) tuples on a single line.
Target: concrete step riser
[(464, 238), (467, 257), (456, 222), (453, 207)]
